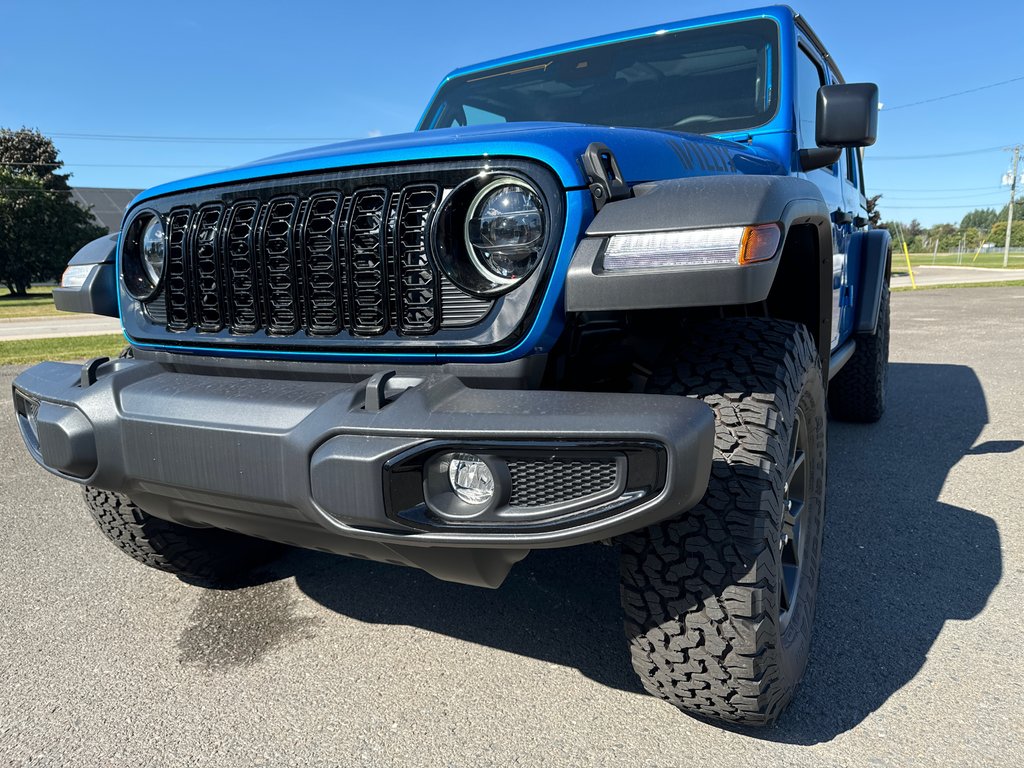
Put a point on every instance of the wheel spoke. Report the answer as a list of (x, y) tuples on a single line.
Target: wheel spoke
[(796, 465), (790, 575)]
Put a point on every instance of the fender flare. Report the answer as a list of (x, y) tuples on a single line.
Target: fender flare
[(98, 294), (693, 203), (873, 248)]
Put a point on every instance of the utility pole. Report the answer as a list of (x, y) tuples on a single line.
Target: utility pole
[(1009, 216)]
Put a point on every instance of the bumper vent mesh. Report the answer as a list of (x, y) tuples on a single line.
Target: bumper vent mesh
[(540, 483)]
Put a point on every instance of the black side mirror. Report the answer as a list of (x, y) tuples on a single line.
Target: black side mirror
[(847, 115)]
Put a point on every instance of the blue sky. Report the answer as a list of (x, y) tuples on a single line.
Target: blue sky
[(325, 70)]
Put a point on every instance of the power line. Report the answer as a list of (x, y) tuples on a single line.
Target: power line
[(111, 165), (930, 207), (198, 139), (952, 95), (981, 151), (934, 189), (940, 197)]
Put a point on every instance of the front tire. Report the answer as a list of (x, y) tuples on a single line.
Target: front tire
[(207, 556), (719, 601)]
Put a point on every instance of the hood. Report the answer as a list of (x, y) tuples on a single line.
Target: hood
[(643, 155)]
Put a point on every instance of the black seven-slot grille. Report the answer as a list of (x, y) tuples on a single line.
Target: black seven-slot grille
[(321, 263)]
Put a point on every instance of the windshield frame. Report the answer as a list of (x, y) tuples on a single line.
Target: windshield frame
[(438, 103)]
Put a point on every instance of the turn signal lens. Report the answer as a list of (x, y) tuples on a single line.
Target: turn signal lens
[(760, 243)]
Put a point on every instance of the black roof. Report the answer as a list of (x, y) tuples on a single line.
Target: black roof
[(107, 204)]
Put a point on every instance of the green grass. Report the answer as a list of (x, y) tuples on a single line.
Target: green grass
[(989, 260), (23, 351), (38, 303), (997, 284)]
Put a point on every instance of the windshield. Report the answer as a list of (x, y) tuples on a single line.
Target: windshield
[(706, 80)]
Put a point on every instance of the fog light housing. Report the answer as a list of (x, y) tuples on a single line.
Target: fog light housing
[(471, 479)]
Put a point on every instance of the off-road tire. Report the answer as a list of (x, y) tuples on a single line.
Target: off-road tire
[(857, 393), (197, 555), (702, 593)]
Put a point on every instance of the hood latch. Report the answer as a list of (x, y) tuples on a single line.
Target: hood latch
[(603, 175)]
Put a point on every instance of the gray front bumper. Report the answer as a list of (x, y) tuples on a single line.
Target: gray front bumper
[(307, 462)]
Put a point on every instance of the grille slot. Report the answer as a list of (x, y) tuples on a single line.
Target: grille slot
[(540, 483), (243, 295), (320, 251), (417, 276), (206, 271), (280, 283), (366, 263), (179, 309)]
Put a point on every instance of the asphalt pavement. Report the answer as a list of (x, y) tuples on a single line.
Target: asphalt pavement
[(916, 657)]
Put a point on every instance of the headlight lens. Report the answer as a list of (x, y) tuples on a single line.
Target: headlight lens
[(143, 255), (490, 233), (505, 230), (154, 250)]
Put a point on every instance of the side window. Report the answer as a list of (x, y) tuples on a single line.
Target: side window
[(852, 171), (809, 78), (477, 116)]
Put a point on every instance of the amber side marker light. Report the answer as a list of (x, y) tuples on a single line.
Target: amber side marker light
[(759, 243)]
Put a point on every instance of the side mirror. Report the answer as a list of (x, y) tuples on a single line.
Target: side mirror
[(847, 115)]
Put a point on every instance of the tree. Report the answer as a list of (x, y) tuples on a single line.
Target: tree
[(874, 215), (980, 218), (1018, 211), (998, 234), (41, 227)]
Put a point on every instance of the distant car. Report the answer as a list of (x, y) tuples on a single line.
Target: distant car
[(598, 296)]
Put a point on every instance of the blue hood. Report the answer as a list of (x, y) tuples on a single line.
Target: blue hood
[(643, 155)]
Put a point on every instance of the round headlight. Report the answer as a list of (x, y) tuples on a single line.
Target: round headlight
[(143, 255), (154, 250), (505, 230), (490, 233)]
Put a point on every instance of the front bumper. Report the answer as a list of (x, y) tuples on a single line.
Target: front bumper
[(346, 467)]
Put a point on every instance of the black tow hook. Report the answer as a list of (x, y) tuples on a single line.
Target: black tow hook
[(89, 370)]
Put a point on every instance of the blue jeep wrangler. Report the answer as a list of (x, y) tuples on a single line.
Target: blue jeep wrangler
[(606, 292)]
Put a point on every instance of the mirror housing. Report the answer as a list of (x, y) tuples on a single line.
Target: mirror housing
[(847, 115)]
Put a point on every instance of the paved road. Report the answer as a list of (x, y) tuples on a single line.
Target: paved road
[(328, 661), (938, 275), (57, 326)]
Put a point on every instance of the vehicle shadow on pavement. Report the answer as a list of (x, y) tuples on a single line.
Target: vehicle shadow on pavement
[(560, 606), (898, 565)]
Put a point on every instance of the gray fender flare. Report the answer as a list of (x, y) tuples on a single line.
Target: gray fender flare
[(98, 295), (694, 203)]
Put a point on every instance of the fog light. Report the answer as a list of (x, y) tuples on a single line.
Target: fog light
[(471, 478)]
